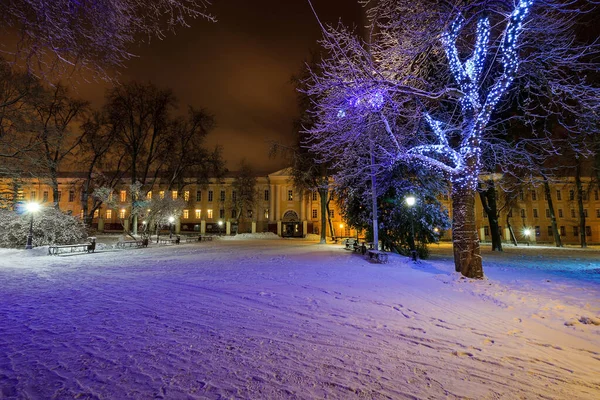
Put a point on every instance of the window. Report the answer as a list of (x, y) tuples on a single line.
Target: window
[(45, 196), (563, 231), (550, 233), (186, 195), (174, 194), (96, 213), (537, 231), (547, 213), (33, 195), (108, 214), (572, 213), (585, 213), (535, 213), (266, 194), (122, 213), (210, 195), (222, 213), (59, 196), (588, 231), (597, 212), (560, 213), (575, 231), (533, 194), (290, 195), (209, 214), (186, 214), (314, 213), (522, 213), (81, 214), (584, 195), (558, 195), (266, 213), (233, 196), (571, 195), (249, 213), (315, 195), (486, 230), (71, 196), (222, 195), (234, 213), (123, 196), (521, 195), (161, 194), (596, 197), (149, 195), (331, 214), (198, 214)]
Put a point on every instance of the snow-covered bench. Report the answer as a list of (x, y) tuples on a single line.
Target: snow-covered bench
[(90, 247), (175, 240), (130, 243), (350, 243), (378, 256)]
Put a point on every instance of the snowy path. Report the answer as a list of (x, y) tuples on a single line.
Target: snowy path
[(284, 319)]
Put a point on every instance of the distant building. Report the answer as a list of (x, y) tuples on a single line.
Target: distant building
[(283, 210)]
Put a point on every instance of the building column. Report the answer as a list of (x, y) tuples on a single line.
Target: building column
[(202, 227), (126, 225), (482, 234), (277, 202), (303, 200), (228, 228), (304, 228), (272, 204), (507, 234), (100, 224), (278, 227), (253, 226)]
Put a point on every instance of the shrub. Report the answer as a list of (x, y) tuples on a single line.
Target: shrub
[(50, 226)]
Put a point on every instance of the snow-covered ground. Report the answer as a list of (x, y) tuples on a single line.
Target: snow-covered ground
[(271, 319)]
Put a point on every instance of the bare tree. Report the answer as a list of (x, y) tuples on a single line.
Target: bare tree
[(59, 36)]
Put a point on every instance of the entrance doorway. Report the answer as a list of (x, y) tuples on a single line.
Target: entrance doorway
[(290, 225)]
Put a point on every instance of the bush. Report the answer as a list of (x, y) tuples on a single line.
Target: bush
[(50, 226)]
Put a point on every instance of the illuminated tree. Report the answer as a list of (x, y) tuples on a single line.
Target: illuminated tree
[(432, 76), (55, 36)]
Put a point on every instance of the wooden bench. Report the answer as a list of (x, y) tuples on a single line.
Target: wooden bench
[(130, 243), (378, 256), (176, 240), (55, 250)]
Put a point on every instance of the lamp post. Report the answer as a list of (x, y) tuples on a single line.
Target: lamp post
[(171, 220), (527, 233), (220, 228), (410, 202), (32, 208), (341, 230)]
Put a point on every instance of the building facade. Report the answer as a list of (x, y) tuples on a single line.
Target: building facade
[(281, 209)]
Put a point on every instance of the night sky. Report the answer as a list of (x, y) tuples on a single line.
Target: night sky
[(239, 69)]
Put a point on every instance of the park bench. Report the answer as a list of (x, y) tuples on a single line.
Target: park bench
[(175, 240), (350, 243), (90, 247), (378, 256), (189, 239), (131, 243), (205, 238)]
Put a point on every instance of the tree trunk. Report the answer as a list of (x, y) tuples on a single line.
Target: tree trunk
[(488, 200), (323, 193), (555, 233), (583, 239), (374, 201), (467, 257)]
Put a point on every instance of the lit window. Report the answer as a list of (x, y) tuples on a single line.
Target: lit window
[(209, 214), (267, 213), (315, 195), (161, 194), (331, 214), (108, 214), (122, 213), (186, 214), (174, 194), (149, 195), (290, 195), (186, 195), (123, 196), (96, 213), (198, 213), (81, 214), (33, 194)]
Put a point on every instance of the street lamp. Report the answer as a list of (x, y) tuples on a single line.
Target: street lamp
[(527, 233), (410, 202), (171, 220), (32, 208), (220, 227), (341, 227)]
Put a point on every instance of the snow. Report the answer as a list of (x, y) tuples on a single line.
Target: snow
[(270, 319)]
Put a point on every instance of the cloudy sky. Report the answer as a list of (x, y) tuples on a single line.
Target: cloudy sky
[(239, 69)]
